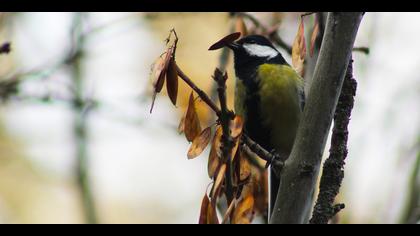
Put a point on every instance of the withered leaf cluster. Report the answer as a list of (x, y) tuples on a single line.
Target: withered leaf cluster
[(299, 45), (314, 36), (165, 69), (192, 127), (245, 180), (299, 49)]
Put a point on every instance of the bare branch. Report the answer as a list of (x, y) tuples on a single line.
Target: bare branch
[(271, 158), (200, 92), (364, 50), (227, 140)]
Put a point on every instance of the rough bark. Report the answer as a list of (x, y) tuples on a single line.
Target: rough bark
[(332, 172)]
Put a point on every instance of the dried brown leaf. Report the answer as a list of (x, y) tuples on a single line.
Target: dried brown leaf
[(244, 167), (192, 127), (211, 214), (172, 81), (302, 44), (243, 213), (218, 183), (204, 209), (181, 125), (299, 49), (229, 211), (215, 152), (258, 187), (159, 72), (314, 36), (225, 41), (236, 126), (158, 80), (199, 143)]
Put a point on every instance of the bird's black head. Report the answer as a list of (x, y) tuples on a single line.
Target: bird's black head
[(253, 39), (252, 51)]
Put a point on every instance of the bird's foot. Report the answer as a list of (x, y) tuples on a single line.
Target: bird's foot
[(275, 162)]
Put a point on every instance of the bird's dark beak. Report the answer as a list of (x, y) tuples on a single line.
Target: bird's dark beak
[(233, 46)]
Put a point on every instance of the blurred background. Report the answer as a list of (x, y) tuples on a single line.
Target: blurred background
[(78, 144)]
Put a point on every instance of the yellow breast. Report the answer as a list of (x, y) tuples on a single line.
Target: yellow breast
[(280, 103)]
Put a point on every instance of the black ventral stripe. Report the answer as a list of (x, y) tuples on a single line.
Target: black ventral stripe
[(253, 121)]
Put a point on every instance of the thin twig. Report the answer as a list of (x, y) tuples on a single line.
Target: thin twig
[(276, 160), (364, 50), (223, 60), (257, 149), (200, 92), (251, 156), (307, 14)]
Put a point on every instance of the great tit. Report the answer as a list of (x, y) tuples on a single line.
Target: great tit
[(269, 95)]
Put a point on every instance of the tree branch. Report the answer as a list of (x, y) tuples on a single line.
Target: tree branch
[(223, 61), (333, 173), (275, 159), (364, 50), (252, 145), (200, 92), (294, 199), (227, 140)]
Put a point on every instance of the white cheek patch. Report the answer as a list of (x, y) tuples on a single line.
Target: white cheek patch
[(260, 50)]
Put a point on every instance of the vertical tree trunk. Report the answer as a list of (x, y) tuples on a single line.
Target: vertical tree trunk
[(295, 196)]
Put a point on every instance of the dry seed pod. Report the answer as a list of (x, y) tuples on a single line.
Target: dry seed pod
[(172, 81), (199, 143), (192, 127), (215, 152)]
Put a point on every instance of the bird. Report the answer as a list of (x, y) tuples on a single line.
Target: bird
[(269, 96)]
